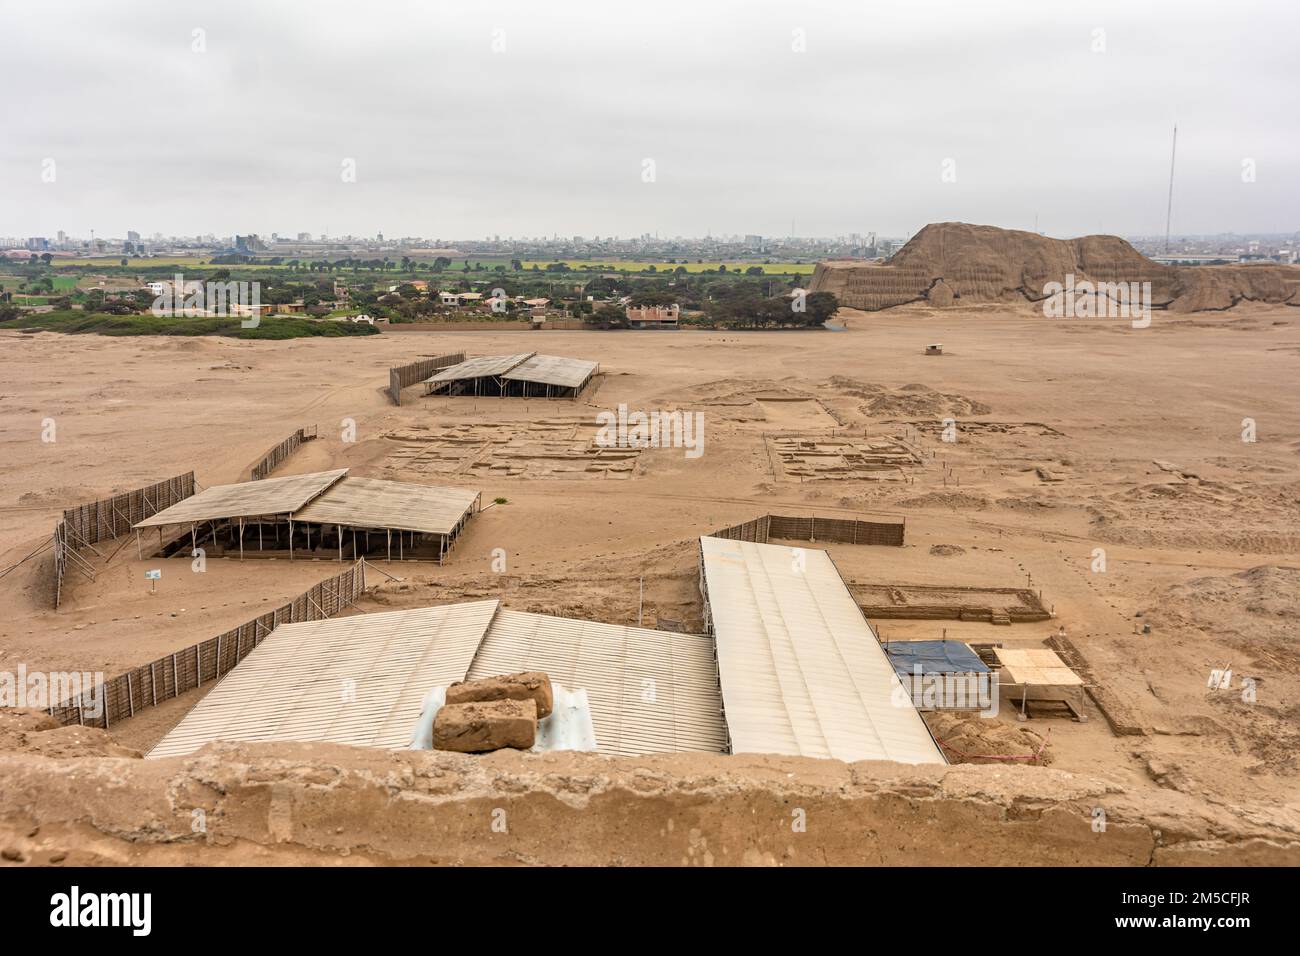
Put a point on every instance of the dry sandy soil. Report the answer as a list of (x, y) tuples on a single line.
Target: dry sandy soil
[(1107, 438)]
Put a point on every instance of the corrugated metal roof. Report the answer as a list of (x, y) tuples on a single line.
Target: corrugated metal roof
[(371, 503), (352, 680), (479, 366), (553, 370), (802, 672), (650, 691), (270, 496)]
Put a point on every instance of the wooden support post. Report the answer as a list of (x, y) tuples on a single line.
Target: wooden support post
[(290, 539), (340, 530)]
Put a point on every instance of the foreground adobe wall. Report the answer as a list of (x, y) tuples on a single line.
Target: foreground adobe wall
[(299, 803)]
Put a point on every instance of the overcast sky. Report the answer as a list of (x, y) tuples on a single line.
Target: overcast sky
[(469, 119)]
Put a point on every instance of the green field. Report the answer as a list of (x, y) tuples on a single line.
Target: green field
[(76, 322), (457, 265), (115, 262), (61, 283), (615, 265)]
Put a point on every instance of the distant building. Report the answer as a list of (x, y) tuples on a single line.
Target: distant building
[(1196, 259), (653, 316), (247, 245), (180, 290), (459, 298)]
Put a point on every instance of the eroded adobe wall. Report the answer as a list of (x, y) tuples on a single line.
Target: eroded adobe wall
[(298, 803)]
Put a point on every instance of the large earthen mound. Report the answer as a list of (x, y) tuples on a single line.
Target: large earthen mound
[(956, 263)]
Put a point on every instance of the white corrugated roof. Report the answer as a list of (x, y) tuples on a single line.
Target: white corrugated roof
[(270, 496), (802, 672), (553, 370), (352, 680), (371, 503), (479, 366), (524, 367), (649, 691)]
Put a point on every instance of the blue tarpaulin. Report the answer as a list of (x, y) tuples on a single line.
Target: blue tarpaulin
[(933, 657)]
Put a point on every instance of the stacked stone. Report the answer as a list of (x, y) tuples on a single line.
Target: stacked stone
[(493, 713)]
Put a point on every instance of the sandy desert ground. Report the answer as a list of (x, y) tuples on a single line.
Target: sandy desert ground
[(1072, 436)]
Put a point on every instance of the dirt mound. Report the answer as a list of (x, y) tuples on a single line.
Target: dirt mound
[(946, 550), (38, 734), (956, 263), (987, 740), (732, 391), (1188, 511), (952, 500), (1260, 602), (913, 400)]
